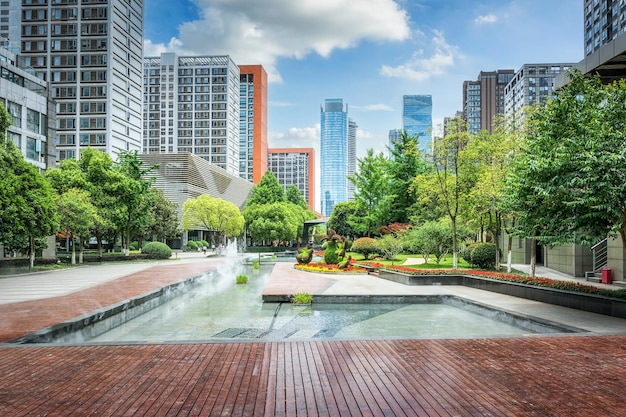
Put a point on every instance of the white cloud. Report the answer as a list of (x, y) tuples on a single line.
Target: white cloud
[(264, 31), (374, 107), (486, 19), (420, 68)]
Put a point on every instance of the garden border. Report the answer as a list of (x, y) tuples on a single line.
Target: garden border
[(592, 303)]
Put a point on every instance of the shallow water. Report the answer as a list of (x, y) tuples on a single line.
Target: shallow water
[(218, 309)]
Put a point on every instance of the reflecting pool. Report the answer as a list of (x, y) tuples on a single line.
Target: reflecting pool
[(218, 309)]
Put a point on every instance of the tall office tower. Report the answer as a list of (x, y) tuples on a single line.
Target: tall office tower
[(351, 162), (394, 136), (417, 120), (191, 104), (333, 154), (532, 83), (252, 122), (295, 166), (27, 100), (483, 99), (91, 54)]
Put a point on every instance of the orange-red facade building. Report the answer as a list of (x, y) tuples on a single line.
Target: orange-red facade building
[(252, 122)]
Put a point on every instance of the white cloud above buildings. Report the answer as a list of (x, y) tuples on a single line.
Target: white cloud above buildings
[(486, 19), (262, 32), (420, 67)]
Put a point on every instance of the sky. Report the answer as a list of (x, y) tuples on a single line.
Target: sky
[(367, 52)]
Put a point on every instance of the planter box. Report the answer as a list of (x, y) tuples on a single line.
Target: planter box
[(586, 302)]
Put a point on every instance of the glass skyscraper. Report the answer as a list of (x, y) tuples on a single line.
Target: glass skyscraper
[(333, 154), (417, 119)]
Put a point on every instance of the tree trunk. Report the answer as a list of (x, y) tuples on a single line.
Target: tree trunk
[(509, 254), (81, 253), (73, 240), (533, 257), (31, 263), (454, 244), (496, 238)]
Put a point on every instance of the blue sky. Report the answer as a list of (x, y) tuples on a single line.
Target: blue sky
[(368, 52)]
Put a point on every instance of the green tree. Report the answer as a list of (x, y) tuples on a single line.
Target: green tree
[(293, 195), (389, 246), (77, 215), (164, 224), (372, 196), (405, 164), (568, 183), (132, 189), (27, 206), (454, 175), (340, 218), (268, 191), (272, 222), (213, 214), (433, 238)]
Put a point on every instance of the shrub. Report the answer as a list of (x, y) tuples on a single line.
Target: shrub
[(302, 298), (466, 253), (157, 250), (192, 245), (364, 246), (133, 245), (241, 279), (483, 255), (389, 247), (204, 243)]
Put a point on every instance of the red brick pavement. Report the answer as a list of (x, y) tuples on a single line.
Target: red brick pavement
[(526, 376), (543, 376)]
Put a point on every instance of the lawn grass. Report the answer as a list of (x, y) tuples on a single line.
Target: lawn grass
[(445, 263)]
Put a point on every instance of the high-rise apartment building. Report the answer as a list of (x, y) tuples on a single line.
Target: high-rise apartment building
[(253, 160), (604, 20), (483, 99), (532, 83), (295, 166), (417, 120), (191, 104), (90, 52), (26, 98), (333, 154), (351, 162)]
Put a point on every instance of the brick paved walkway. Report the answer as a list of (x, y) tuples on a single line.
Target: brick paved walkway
[(527, 376)]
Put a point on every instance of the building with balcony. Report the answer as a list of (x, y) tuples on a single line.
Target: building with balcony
[(295, 166), (192, 104), (90, 53), (253, 156)]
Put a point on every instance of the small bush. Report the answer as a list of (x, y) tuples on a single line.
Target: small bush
[(157, 250), (203, 243), (483, 256), (133, 245), (364, 246), (192, 245), (302, 298), (466, 253), (241, 279)]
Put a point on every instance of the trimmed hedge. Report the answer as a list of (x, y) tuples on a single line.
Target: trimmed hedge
[(157, 250), (482, 255)]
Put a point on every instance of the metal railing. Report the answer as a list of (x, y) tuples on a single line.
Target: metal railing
[(600, 255)]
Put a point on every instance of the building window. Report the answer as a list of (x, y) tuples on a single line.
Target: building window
[(32, 121)]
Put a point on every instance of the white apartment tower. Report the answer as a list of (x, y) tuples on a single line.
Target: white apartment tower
[(90, 52), (191, 104)]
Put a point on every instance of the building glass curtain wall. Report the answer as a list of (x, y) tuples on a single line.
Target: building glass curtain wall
[(333, 154), (417, 119)]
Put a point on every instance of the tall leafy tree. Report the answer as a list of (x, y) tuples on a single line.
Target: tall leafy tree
[(213, 214), (267, 191), (568, 183), (77, 216), (164, 217), (453, 177), (26, 200), (277, 221), (372, 195), (340, 219), (405, 164), (131, 187), (293, 195)]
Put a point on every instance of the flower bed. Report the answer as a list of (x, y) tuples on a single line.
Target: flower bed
[(520, 279), (323, 267)]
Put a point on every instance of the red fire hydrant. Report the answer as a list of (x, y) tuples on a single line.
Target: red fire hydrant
[(607, 275)]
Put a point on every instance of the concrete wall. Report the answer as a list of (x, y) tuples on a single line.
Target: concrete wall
[(570, 259), (617, 259)]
